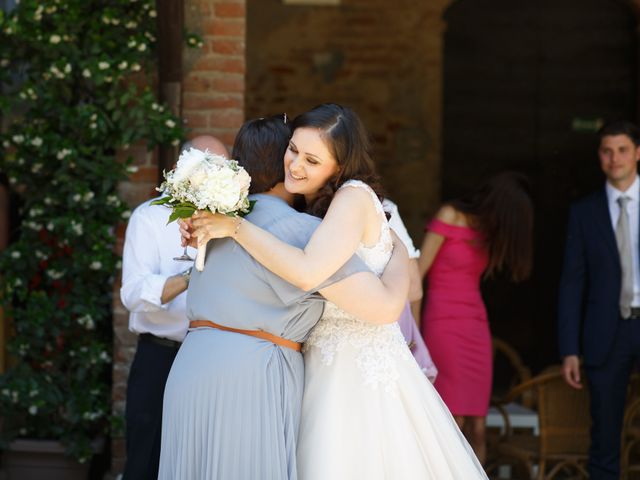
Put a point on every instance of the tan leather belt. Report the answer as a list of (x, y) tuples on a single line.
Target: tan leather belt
[(283, 342)]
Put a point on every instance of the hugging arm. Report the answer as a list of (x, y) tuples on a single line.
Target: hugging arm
[(331, 245), (372, 299)]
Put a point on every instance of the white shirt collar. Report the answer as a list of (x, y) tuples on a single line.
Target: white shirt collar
[(633, 191)]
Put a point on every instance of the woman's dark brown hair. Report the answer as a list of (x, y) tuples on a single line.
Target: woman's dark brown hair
[(502, 210), (348, 141)]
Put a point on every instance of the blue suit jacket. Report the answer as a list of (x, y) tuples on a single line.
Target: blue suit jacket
[(588, 303)]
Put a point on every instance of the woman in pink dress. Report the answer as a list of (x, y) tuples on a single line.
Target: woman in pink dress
[(484, 232)]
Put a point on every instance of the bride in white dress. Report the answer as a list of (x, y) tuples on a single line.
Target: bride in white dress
[(368, 411)]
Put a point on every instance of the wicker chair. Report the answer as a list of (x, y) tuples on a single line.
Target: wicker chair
[(519, 372), (563, 441)]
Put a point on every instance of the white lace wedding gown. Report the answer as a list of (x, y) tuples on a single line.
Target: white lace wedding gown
[(368, 411)]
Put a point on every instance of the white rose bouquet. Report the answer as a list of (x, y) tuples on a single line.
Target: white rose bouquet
[(204, 181)]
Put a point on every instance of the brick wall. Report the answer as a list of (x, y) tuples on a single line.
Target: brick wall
[(384, 59), (213, 103)]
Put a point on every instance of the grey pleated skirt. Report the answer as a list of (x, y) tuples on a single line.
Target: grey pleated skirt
[(231, 409)]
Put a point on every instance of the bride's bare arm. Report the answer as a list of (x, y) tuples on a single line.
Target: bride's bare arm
[(332, 244), (378, 300)]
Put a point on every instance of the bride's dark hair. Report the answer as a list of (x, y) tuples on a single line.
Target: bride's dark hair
[(348, 141)]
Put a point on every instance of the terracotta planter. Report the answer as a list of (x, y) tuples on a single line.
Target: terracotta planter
[(41, 460)]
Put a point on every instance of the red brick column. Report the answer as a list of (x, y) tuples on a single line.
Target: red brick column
[(213, 103)]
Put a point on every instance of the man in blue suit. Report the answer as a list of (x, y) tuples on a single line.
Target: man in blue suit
[(599, 297)]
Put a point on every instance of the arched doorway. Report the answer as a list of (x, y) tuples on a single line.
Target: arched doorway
[(525, 86)]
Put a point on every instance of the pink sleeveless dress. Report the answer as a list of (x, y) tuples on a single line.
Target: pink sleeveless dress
[(454, 322)]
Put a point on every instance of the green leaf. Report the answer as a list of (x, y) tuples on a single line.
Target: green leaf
[(180, 212), (161, 201)]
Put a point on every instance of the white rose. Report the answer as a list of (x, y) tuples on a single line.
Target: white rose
[(244, 179), (197, 177), (188, 161)]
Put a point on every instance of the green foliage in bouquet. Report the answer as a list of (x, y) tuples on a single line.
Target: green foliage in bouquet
[(73, 91)]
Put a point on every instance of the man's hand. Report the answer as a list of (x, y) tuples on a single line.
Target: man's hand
[(571, 371)]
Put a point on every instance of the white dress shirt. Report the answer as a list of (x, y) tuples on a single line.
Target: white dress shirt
[(395, 222), (147, 261), (633, 210)]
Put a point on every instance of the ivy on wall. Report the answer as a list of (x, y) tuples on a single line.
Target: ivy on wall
[(74, 91)]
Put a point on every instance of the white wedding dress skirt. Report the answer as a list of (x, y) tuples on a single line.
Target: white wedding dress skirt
[(368, 411)]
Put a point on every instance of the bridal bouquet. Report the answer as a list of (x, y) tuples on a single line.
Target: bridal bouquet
[(204, 181)]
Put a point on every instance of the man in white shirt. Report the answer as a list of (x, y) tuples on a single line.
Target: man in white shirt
[(152, 290), (599, 297)]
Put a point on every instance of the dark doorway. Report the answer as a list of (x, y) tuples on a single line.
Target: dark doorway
[(526, 84)]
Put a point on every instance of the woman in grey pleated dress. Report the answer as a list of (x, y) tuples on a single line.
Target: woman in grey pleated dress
[(232, 401)]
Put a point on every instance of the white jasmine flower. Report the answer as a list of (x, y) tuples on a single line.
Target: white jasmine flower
[(175, 142), (47, 201), (95, 265), (132, 169), (119, 264), (103, 65), (67, 68), (21, 161), (36, 142), (33, 410), (126, 214), (50, 226), (4, 62), (131, 25), (55, 274), (115, 21), (142, 47), (17, 283), (113, 200), (6, 144), (77, 227), (87, 197), (39, 255), (94, 117), (87, 322), (123, 65), (63, 153), (86, 73), (104, 356), (108, 79), (18, 139), (15, 254), (93, 126), (36, 167), (153, 13), (106, 20), (132, 43), (170, 123), (33, 393), (55, 39), (135, 67), (77, 197)]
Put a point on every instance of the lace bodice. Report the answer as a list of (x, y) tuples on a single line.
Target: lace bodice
[(378, 345)]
